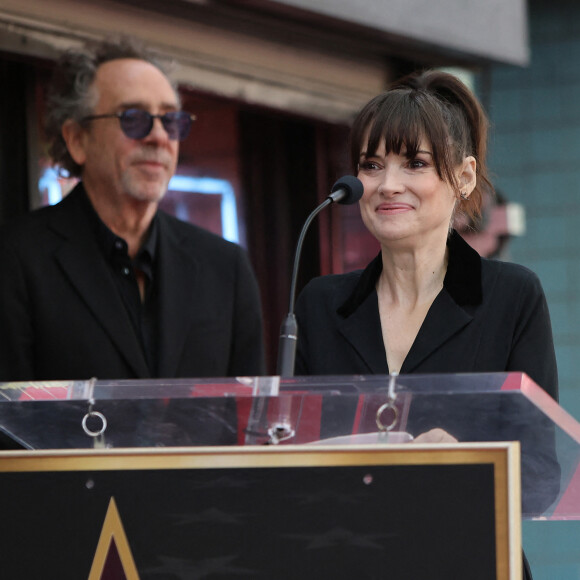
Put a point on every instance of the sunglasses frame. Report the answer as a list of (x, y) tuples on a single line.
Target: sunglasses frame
[(165, 119)]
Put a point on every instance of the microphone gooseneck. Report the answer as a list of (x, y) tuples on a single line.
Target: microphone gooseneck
[(346, 190)]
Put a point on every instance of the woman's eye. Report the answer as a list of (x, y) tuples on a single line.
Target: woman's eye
[(368, 166), (417, 164)]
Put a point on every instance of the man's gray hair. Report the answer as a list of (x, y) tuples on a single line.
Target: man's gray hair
[(70, 95)]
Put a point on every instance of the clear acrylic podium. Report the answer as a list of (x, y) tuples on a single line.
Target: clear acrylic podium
[(369, 409)]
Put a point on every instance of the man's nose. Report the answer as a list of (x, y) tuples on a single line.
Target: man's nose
[(158, 132)]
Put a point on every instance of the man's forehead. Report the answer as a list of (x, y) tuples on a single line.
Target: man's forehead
[(133, 81)]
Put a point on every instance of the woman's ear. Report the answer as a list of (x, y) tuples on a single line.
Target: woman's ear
[(467, 177), (74, 137)]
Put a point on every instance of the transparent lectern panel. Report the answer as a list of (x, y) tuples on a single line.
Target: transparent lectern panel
[(137, 413), (299, 410)]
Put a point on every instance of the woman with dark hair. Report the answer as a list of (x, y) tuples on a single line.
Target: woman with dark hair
[(428, 303)]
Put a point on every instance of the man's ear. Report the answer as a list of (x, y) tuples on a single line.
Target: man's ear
[(74, 137), (467, 175)]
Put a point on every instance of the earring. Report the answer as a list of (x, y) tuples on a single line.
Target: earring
[(463, 195)]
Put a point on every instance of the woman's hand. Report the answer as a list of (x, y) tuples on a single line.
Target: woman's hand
[(435, 436)]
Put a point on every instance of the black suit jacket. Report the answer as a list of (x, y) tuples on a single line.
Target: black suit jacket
[(61, 316), (490, 316)]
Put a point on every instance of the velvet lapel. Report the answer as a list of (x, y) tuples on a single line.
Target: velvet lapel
[(444, 319), (449, 313), (177, 281), (362, 329), (80, 259)]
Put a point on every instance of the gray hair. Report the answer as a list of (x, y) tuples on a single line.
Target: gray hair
[(71, 95)]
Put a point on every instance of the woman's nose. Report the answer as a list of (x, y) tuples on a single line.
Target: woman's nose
[(391, 180)]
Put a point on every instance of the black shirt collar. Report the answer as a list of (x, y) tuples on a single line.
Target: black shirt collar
[(111, 244), (462, 279)]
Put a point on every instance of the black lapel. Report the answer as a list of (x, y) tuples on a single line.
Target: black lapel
[(450, 311), (177, 282), (444, 319), (447, 315), (362, 329), (80, 259)]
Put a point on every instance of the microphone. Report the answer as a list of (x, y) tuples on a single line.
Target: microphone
[(347, 190)]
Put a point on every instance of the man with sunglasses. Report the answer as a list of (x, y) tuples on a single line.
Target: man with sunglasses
[(104, 284)]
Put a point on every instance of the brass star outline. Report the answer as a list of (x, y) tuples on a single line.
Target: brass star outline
[(113, 531)]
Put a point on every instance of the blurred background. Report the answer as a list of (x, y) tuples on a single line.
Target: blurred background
[(275, 85)]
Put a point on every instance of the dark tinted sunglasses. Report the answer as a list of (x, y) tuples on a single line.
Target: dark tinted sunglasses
[(137, 123)]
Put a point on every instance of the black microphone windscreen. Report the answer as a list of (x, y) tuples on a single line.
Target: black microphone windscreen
[(352, 186)]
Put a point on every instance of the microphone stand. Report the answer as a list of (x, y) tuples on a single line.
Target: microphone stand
[(346, 190), (289, 328)]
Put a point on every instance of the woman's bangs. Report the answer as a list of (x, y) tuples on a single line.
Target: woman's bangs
[(399, 126)]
